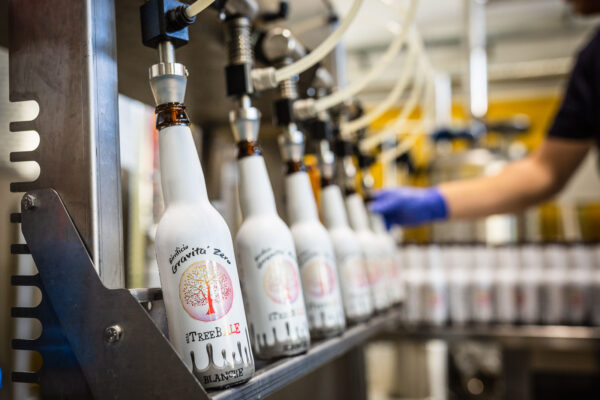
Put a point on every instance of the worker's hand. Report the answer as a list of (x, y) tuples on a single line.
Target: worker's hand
[(410, 205)]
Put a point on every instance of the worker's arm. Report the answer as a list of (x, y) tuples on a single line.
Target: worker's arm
[(521, 184)]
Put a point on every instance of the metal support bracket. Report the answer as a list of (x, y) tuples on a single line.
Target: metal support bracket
[(121, 352)]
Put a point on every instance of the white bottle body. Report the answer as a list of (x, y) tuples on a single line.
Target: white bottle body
[(354, 281), (459, 265), (416, 265), (505, 288), (554, 284), (199, 278), (435, 294), (387, 246), (530, 284), (595, 317), (371, 250), (579, 284), (482, 310), (269, 270), (316, 259)]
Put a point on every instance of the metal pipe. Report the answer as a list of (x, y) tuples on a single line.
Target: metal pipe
[(166, 52)]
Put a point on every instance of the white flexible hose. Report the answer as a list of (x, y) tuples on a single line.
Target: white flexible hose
[(370, 142), (322, 50), (402, 147), (408, 68), (393, 49), (414, 132), (197, 7)]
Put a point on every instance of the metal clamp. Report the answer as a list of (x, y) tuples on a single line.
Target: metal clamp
[(108, 331)]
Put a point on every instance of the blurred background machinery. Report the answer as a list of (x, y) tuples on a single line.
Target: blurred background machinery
[(497, 86)]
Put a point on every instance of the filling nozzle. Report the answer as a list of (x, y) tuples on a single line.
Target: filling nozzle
[(367, 181), (245, 120), (326, 161), (291, 143), (168, 78)]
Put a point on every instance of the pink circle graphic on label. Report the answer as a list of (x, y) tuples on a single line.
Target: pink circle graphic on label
[(281, 282), (374, 272), (318, 278), (354, 273), (206, 291)]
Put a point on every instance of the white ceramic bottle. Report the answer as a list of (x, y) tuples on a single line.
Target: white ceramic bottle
[(595, 312), (530, 283), (554, 286), (356, 292), (371, 248), (416, 265), (316, 256), (481, 289), (265, 252), (389, 259), (199, 278), (458, 267), (435, 290), (505, 284), (579, 284)]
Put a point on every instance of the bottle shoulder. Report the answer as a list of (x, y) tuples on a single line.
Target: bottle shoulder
[(266, 227), (196, 218)]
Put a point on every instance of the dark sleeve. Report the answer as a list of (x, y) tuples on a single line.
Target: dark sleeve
[(578, 116)]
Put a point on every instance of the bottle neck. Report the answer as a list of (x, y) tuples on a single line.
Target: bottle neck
[(247, 148), (332, 207), (301, 204), (256, 193), (181, 173), (357, 212), (292, 166)]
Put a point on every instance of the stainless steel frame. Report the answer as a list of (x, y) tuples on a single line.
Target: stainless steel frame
[(62, 54)]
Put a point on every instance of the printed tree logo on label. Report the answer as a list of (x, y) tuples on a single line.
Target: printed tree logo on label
[(319, 278), (206, 291), (375, 272), (354, 274), (281, 282)]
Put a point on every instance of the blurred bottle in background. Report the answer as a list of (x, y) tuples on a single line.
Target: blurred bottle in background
[(458, 267), (505, 284), (481, 287)]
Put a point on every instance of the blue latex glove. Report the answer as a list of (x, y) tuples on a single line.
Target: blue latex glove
[(410, 205)]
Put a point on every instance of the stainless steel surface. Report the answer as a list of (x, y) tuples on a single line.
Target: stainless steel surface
[(291, 143), (279, 43), (63, 58), (238, 42), (245, 122), (168, 83), (90, 316)]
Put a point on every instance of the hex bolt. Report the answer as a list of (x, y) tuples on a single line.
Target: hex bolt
[(29, 201), (113, 333)]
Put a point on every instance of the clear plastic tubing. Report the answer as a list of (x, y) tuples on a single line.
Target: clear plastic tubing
[(197, 7), (322, 50), (390, 132), (394, 95), (392, 50)]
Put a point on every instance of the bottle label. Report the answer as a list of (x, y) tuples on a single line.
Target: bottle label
[(275, 304), (355, 287), (206, 291), (378, 285), (205, 313), (321, 292)]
